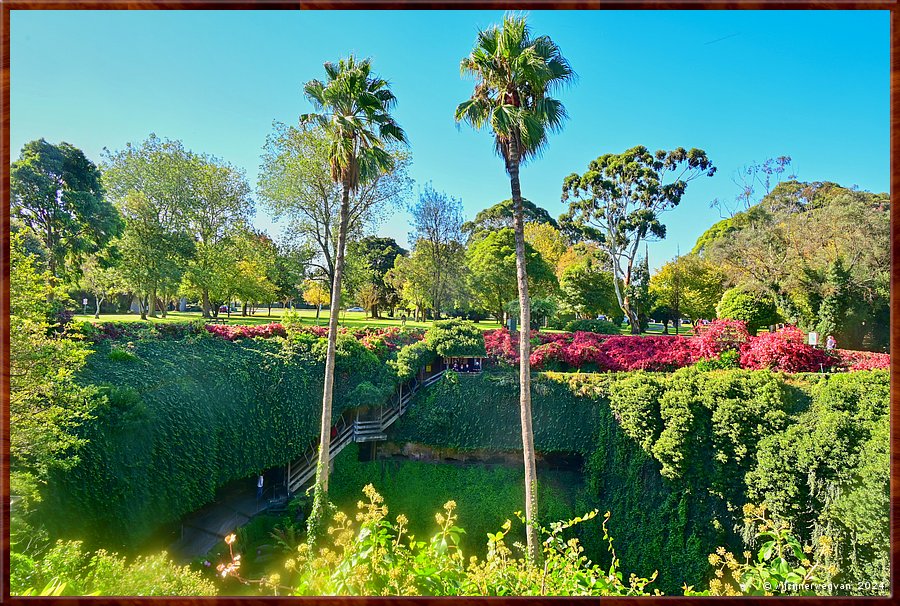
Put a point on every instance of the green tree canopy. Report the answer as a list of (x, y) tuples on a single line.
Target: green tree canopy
[(492, 266), (378, 255), (500, 215), (587, 289), (618, 201), (57, 192), (295, 183), (690, 286)]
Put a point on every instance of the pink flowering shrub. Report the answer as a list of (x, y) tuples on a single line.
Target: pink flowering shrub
[(862, 360), (658, 353), (502, 346), (593, 350), (232, 333), (719, 336), (784, 350)]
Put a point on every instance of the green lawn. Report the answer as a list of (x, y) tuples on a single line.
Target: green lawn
[(350, 319)]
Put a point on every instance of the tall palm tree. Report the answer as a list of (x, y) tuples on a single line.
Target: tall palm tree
[(515, 74), (353, 107)]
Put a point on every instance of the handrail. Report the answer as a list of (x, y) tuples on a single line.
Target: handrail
[(303, 469)]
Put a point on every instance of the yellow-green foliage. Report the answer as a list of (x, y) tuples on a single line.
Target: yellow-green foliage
[(378, 556), (66, 569)]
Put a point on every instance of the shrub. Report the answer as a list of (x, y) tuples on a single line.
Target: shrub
[(120, 355), (783, 565), (452, 338), (234, 332), (603, 327), (754, 309), (378, 557), (861, 360), (719, 336), (412, 358), (74, 572), (784, 350)]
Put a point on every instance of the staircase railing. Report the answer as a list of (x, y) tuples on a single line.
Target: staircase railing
[(351, 428)]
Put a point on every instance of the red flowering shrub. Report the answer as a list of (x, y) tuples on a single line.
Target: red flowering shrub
[(720, 335), (232, 333), (784, 350), (597, 351), (502, 346), (658, 353), (862, 360)]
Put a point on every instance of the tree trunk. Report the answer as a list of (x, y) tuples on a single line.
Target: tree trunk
[(318, 311), (142, 305), (98, 300), (531, 502), (151, 304), (206, 306), (321, 487)]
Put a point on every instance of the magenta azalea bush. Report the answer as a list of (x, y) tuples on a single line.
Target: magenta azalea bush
[(849, 359), (232, 333), (785, 350), (719, 336), (596, 351)]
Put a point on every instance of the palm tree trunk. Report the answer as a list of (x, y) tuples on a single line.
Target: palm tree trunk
[(531, 532), (321, 489)]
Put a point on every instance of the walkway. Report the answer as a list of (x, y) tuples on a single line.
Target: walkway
[(208, 526)]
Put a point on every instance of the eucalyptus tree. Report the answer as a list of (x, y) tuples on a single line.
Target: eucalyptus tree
[(353, 108), (617, 204), (515, 75)]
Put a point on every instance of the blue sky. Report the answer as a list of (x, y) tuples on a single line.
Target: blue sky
[(742, 85)]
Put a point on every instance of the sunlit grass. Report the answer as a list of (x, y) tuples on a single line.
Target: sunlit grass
[(350, 319)]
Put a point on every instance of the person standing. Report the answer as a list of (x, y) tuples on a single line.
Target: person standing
[(259, 487), (830, 343)]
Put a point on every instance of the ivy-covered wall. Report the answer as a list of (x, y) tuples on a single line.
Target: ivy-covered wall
[(187, 416), (674, 456)]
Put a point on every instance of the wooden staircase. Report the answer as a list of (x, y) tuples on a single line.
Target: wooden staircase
[(353, 426)]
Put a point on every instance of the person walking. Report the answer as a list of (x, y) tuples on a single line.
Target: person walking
[(830, 343)]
